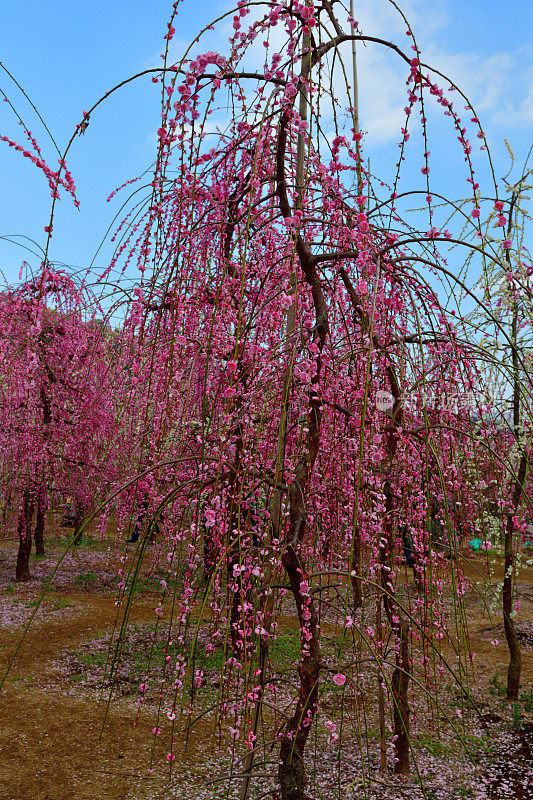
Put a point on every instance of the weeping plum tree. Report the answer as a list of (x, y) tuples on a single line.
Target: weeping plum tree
[(55, 412), (280, 300)]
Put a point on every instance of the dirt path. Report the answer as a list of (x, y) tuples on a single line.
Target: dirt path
[(49, 740)]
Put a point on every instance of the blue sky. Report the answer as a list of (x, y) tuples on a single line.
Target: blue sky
[(66, 55)]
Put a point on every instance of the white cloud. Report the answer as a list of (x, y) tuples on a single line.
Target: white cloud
[(498, 85)]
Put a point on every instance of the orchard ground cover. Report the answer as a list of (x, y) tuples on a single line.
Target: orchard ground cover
[(59, 686)]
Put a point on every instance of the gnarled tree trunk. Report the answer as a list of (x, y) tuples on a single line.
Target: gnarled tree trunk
[(292, 773), (24, 534), (38, 533), (400, 630), (515, 655)]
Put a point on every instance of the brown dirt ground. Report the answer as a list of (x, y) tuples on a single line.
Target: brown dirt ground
[(50, 741), (49, 738)]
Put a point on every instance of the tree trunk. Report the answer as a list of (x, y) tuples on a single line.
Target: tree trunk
[(515, 656), (38, 534), (381, 692), (356, 571), (401, 711), (24, 534), (400, 630), (263, 659), (292, 773)]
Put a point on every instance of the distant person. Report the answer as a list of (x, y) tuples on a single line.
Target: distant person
[(143, 509)]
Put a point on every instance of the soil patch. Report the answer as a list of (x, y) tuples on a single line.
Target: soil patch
[(63, 739)]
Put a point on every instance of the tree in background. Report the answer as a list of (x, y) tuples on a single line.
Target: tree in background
[(56, 414)]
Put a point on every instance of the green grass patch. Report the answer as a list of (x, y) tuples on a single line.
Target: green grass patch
[(92, 659), (433, 745), (496, 686), (61, 602), (86, 579), (145, 584), (527, 699), (285, 651)]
